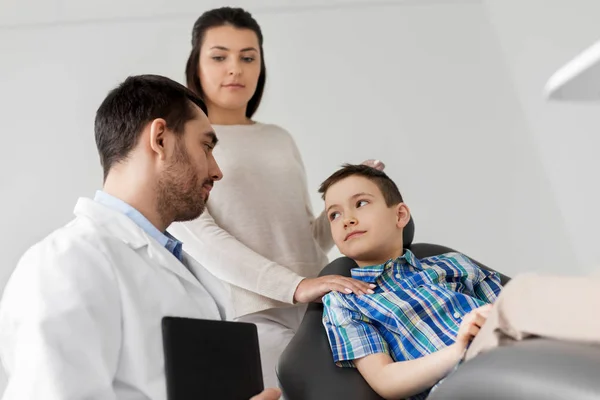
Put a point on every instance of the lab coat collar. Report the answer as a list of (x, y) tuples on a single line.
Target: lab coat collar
[(122, 227)]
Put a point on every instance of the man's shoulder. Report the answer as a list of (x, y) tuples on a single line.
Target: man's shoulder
[(69, 252), (77, 235)]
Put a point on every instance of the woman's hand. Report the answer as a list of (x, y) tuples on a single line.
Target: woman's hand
[(312, 289), (268, 394), (374, 164)]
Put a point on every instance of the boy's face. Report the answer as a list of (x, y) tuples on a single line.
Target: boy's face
[(364, 228)]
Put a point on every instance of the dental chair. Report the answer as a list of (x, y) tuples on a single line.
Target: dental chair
[(534, 369)]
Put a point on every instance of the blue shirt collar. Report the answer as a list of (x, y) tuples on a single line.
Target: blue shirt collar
[(165, 239), (370, 274)]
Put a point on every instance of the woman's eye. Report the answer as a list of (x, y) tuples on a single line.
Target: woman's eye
[(361, 203), (248, 59), (334, 215), (218, 58)]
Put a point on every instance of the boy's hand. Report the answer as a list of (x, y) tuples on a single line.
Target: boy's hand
[(268, 394), (471, 324), (312, 289), (374, 164)]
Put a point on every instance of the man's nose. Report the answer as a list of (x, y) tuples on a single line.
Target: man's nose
[(215, 172)]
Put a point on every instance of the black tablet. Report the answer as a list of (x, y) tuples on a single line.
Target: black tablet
[(206, 359)]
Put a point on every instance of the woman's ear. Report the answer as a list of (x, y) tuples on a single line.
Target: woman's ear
[(402, 215), (158, 133)]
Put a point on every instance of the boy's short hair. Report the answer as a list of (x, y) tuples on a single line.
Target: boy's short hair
[(388, 188)]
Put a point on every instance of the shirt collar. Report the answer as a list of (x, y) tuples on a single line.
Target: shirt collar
[(165, 239), (370, 274)]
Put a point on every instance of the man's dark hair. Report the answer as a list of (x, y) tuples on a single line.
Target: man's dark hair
[(238, 18), (136, 102), (388, 188)]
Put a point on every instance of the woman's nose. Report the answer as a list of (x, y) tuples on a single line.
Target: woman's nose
[(234, 68)]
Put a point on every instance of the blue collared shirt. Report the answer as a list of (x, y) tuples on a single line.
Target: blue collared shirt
[(416, 309), (165, 239)]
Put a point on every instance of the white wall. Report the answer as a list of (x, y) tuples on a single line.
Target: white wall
[(445, 92), (424, 88), (536, 38)]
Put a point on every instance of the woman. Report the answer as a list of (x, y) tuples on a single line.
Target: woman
[(259, 235)]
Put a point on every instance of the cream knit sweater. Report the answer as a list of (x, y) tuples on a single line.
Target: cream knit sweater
[(258, 234)]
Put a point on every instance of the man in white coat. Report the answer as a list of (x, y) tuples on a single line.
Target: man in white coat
[(81, 315)]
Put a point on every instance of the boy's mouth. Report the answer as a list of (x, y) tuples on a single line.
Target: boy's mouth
[(353, 235)]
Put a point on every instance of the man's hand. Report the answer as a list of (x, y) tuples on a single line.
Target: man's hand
[(268, 394), (374, 164), (313, 289), (471, 324)]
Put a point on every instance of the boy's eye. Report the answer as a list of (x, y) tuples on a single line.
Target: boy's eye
[(361, 203), (334, 215)]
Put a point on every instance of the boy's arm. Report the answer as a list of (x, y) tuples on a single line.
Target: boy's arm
[(394, 380), (398, 380)]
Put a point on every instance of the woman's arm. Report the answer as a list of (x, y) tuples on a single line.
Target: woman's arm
[(233, 262)]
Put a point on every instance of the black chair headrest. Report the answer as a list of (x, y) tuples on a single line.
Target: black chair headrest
[(409, 233)]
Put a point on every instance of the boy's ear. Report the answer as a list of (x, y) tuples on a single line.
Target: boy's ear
[(402, 215)]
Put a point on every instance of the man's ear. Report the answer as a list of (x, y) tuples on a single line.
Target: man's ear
[(158, 134), (402, 215)]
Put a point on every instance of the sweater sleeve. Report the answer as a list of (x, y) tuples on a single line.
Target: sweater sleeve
[(233, 262)]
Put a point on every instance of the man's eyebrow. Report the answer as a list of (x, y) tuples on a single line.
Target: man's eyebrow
[(352, 197), (213, 137)]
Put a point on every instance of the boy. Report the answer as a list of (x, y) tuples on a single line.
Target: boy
[(416, 326)]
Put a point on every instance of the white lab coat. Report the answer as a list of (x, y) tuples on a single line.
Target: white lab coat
[(81, 315)]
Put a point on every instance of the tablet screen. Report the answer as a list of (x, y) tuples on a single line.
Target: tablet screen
[(206, 359)]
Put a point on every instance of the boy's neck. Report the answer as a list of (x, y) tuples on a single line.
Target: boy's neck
[(370, 263)]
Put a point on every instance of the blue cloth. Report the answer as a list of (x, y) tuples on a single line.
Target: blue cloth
[(165, 239), (416, 309)]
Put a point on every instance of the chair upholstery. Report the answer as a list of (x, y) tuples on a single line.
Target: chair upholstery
[(534, 369), (306, 369)]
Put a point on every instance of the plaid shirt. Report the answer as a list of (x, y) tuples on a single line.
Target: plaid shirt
[(416, 309)]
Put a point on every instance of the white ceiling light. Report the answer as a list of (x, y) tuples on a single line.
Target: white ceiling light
[(579, 79)]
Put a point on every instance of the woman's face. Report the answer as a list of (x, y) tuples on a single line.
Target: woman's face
[(229, 66)]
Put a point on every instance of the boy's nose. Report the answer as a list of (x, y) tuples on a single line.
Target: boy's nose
[(350, 221)]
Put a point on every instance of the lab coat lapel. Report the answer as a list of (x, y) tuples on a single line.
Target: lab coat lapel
[(124, 229)]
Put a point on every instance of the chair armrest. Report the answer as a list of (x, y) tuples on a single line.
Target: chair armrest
[(535, 369)]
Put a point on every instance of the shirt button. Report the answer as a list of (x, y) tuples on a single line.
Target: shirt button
[(434, 288), (398, 276), (456, 315)]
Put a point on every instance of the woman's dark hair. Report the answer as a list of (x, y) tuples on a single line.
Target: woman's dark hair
[(238, 18)]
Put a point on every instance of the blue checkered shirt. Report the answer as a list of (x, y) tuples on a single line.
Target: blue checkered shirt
[(416, 309)]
